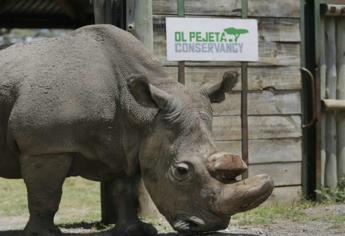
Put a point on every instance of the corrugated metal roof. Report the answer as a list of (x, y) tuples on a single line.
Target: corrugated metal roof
[(29, 7), (45, 13)]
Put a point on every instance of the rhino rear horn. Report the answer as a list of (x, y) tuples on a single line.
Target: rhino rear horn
[(149, 95), (225, 166), (216, 93)]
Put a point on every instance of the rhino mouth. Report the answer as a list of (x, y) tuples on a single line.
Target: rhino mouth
[(189, 224), (192, 225)]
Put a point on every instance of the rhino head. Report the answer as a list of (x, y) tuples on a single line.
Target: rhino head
[(192, 184)]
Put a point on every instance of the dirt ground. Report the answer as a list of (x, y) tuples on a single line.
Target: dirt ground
[(80, 205), (10, 226)]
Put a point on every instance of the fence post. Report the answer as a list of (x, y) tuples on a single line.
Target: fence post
[(181, 64), (331, 83), (139, 23), (341, 95), (244, 98)]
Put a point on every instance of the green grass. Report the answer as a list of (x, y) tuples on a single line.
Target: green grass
[(81, 203), (80, 200), (272, 213), (277, 212), (13, 201)]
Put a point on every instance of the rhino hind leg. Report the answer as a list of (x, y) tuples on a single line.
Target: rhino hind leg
[(125, 196), (44, 176)]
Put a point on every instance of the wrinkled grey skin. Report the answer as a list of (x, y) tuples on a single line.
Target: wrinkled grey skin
[(96, 104)]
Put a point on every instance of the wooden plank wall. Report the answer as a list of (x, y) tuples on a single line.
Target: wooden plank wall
[(274, 100)]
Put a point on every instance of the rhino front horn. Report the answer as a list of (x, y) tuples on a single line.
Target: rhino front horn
[(225, 166)]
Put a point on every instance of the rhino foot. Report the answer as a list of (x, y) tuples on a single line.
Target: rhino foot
[(134, 229), (36, 229), (42, 231)]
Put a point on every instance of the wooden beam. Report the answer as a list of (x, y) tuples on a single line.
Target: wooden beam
[(333, 105), (262, 8), (333, 9)]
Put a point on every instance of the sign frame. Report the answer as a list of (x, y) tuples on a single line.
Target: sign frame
[(211, 39)]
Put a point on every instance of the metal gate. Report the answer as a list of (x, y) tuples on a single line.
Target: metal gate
[(324, 107)]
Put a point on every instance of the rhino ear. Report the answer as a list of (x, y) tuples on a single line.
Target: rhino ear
[(217, 92), (147, 94)]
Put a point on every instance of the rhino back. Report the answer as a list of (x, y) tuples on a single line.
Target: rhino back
[(70, 93)]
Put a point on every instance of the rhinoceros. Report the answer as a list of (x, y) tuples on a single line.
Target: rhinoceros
[(95, 103)]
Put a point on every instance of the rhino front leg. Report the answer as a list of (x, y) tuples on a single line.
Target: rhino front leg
[(44, 176), (125, 195)]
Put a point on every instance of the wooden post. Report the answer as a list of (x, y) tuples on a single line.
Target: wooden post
[(102, 16), (103, 11), (321, 180), (244, 100), (139, 23), (341, 95), (331, 86), (138, 18), (181, 64)]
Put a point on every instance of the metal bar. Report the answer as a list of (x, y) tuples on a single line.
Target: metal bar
[(181, 64), (244, 98), (312, 83)]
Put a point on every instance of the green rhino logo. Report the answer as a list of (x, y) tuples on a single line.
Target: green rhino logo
[(236, 32)]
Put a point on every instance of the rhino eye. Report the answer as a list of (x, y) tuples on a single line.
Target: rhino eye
[(180, 171)]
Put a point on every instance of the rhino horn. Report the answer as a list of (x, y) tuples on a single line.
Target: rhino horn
[(243, 195), (225, 166)]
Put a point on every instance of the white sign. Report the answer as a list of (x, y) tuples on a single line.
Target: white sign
[(211, 39)]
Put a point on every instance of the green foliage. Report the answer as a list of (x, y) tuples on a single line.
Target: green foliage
[(327, 194)]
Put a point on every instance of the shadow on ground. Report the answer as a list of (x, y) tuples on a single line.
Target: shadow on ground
[(74, 228), (20, 233)]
